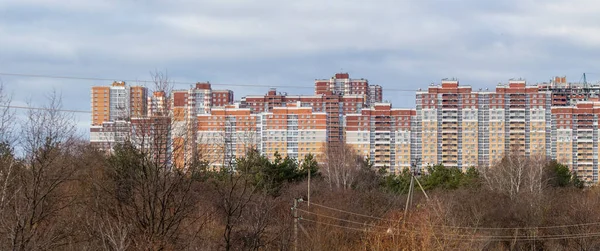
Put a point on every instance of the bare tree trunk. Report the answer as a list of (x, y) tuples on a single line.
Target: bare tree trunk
[(342, 165), (48, 142), (235, 194), (517, 174), (7, 117)]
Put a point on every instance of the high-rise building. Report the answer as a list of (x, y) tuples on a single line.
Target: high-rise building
[(375, 94), (462, 128), (383, 134), (202, 98), (568, 94), (137, 97), (188, 107), (109, 133), (451, 125), (222, 98), (112, 108), (158, 104), (117, 102), (342, 84), (229, 132), (335, 106), (226, 133), (100, 102), (293, 131), (575, 138)]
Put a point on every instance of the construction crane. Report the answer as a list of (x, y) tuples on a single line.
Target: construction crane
[(586, 88)]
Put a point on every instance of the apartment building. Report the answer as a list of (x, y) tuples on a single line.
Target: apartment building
[(567, 93), (222, 98), (226, 133), (451, 124), (375, 94), (106, 135), (292, 130), (152, 135), (575, 138), (230, 131), (117, 102), (459, 127), (383, 134), (337, 96), (342, 84), (202, 98), (158, 104), (319, 103), (335, 106), (112, 106)]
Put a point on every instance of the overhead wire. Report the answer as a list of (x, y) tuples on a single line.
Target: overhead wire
[(174, 82), (334, 225), (340, 219), (451, 236), (468, 228), (43, 109), (348, 212)]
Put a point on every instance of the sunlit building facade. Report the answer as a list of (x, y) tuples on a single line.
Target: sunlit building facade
[(382, 134), (452, 124)]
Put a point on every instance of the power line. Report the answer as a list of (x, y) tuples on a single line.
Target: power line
[(338, 226), (348, 212), (174, 82), (462, 237), (467, 228), (576, 235), (340, 219), (42, 109)]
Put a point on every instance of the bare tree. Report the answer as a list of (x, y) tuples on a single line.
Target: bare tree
[(235, 195), (36, 190), (537, 177), (161, 82), (146, 192), (7, 116), (7, 158), (517, 174), (342, 165), (258, 222)]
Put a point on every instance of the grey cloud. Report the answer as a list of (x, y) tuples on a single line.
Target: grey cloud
[(398, 44)]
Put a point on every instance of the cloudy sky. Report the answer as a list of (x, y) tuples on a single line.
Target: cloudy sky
[(401, 45)]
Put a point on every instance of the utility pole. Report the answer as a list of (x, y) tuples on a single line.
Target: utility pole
[(295, 224), (418, 174), (426, 196), (295, 209), (308, 193), (408, 196), (411, 188)]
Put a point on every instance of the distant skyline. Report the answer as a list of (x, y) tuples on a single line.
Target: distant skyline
[(395, 44)]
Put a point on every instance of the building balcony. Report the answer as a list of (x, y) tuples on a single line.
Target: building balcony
[(450, 153), (450, 106), (585, 164), (450, 134), (449, 163)]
